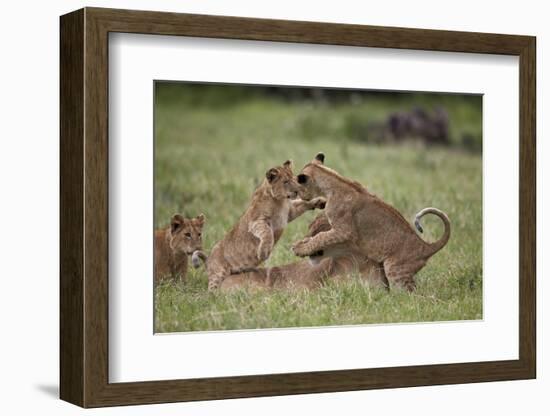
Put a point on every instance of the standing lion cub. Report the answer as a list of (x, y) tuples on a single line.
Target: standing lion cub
[(252, 239), (174, 244), (361, 219)]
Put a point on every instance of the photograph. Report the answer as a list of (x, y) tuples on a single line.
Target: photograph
[(296, 207)]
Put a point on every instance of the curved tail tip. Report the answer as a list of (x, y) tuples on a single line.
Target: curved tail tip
[(418, 226)]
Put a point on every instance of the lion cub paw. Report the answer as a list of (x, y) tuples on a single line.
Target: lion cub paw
[(300, 248), (318, 203), (213, 285)]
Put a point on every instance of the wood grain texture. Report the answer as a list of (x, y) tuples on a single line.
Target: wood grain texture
[(527, 208), (71, 208), (84, 207), (226, 27), (96, 208)]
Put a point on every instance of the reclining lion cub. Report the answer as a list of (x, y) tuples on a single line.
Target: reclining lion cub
[(337, 262), (363, 220), (174, 243), (251, 240)]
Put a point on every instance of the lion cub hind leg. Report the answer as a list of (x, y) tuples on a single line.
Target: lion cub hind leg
[(217, 271), (374, 275), (402, 273)]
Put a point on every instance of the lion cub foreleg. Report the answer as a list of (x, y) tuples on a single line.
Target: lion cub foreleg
[(311, 245), (262, 231), (299, 206)]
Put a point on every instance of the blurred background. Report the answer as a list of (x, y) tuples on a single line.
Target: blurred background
[(377, 117), (214, 143)]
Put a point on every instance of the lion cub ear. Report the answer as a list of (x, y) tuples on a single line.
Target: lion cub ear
[(271, 174), (320, 158), (176, 223), (200, 219), (288, 164)]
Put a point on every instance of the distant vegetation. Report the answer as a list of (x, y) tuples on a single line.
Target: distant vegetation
[(366, 116)]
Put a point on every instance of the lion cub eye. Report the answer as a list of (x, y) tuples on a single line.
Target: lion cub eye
[(287, 182), (199, 234), (188, 235)]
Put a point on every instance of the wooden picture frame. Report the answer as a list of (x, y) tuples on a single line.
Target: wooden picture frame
[(84, 207)]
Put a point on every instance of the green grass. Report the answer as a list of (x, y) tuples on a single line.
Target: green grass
[(209, 159)]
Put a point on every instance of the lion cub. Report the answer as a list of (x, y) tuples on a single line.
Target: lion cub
[(251, 240), (174, 243), (361, 219)]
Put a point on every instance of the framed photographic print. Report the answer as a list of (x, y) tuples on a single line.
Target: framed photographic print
[(256, 207)]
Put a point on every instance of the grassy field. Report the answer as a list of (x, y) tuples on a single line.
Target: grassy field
[(209, 158)]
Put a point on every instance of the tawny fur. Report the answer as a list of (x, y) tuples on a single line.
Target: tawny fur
[(362, 220), (338, 263), (251, 240), (347, 259), (174, 244)]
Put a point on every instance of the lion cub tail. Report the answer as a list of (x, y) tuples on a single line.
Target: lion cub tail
[(196, 258), (439, 244)]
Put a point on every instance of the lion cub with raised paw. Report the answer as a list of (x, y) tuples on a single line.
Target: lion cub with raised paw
[(252, 239), (174, 244), (360, 218)]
